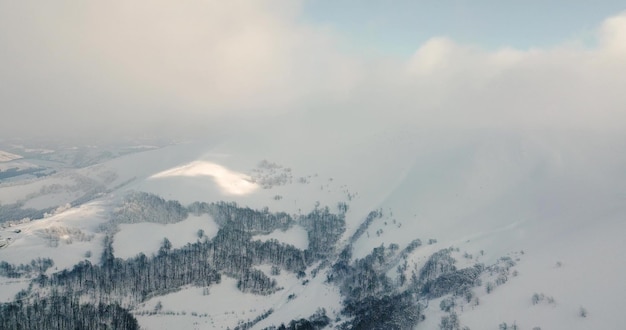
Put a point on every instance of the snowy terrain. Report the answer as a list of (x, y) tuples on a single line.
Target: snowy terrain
[(146, 238), (295, 236), (555, 203)]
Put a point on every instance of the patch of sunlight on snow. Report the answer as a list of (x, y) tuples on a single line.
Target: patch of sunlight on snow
[(231, 182)]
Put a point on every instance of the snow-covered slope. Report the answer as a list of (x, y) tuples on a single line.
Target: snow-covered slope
[(146, 238), (556, 196)]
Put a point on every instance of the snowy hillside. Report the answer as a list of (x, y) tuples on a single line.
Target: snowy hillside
[(526, 216)]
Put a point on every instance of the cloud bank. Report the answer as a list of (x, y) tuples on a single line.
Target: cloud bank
[(171, 66)]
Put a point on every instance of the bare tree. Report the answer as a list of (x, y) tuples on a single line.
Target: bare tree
[(582, 312)]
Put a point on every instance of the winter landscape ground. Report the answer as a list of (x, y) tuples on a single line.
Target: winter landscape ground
[(543, 231)]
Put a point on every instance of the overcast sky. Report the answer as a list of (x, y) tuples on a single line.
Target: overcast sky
[(157, 66)]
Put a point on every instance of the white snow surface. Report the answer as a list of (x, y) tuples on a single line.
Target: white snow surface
[(75, 229), (229, 181), (225, 305), (147, 238), (32, 240), (295, 235)]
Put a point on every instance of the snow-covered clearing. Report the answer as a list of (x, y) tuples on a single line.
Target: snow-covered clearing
[(296, 236), (223, 305), (65, 237), (146, 238)]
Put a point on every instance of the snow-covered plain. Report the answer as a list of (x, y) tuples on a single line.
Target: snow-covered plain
[(557, 196)]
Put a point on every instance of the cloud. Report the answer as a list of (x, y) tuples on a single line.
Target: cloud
[(127, 64), (612, 35), (170, 66), (566, 87)]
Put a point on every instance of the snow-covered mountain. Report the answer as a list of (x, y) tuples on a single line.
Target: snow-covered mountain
[(381, 229)]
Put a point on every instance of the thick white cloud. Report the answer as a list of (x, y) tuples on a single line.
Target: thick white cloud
[(567, 86), (94, 66), (613, 35), (141, 63)]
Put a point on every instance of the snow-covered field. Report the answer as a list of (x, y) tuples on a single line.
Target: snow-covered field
[(559, 198), (296, 236), (224, 305), (74, 230), (67, 238)]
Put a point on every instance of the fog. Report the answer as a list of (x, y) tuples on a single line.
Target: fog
[(85, 69)]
